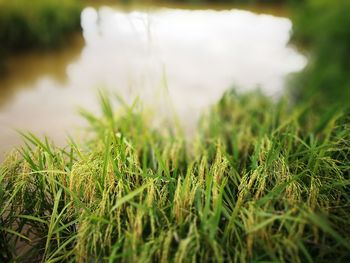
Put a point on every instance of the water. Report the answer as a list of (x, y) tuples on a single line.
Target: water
[(188, 56)]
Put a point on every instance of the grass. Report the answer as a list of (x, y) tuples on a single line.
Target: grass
[(327, 38), (36, 24), (261, 181)]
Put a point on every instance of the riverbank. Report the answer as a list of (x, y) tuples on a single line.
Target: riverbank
[(38, 24), (48, 24)]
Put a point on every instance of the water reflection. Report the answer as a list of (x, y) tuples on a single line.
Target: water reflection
[(198, 54), (23, 70)]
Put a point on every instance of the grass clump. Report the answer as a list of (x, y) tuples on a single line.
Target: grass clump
[(260, 182)]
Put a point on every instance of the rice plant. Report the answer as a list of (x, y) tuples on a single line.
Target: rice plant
[(260, 181)]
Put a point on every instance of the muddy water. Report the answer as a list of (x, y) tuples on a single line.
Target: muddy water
[(189, 56)]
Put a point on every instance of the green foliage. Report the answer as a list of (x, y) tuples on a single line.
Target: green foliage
[(261, 180), (36, 23), (259, 183), (323, 27)]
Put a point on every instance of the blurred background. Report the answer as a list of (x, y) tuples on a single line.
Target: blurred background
[(178, 56)]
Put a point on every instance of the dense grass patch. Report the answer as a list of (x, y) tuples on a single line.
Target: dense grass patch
[(36, 23), (261, 182)]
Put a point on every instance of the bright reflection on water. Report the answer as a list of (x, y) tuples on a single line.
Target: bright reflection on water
[(197, 55)]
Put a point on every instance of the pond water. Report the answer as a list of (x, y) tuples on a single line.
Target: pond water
[(189, 56)]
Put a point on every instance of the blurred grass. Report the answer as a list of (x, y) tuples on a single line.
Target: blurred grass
[(323, 28), (36, 23)]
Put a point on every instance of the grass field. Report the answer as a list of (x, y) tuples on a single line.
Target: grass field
[(261, 181)]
